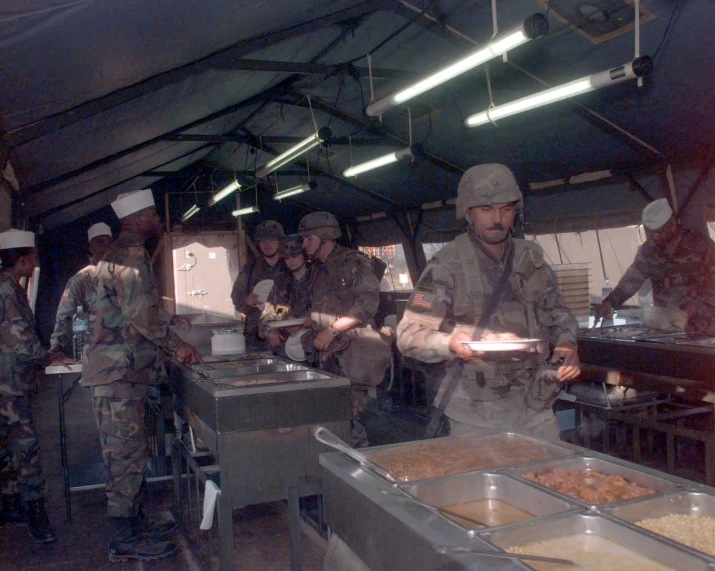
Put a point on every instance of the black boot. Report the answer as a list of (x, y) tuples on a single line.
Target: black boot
[(39, 524), (157, 529), (13, 510), (131, 543)]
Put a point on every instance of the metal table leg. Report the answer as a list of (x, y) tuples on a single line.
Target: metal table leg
[(63, 447), (296, 558)]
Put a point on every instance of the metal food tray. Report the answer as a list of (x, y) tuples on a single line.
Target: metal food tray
[(573, 524), (459, 448), (243, 363), (578, 463), (684, 503), (271, 378), (449, 490), (256, 371)]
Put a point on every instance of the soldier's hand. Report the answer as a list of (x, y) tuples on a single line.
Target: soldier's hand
[(567, 354), (602, 311), (323, 340), (181, 322), (456, 344), (187, 354), (275, 338), (57, 358)]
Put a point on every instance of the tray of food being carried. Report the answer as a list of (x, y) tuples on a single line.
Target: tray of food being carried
[(502, 342)]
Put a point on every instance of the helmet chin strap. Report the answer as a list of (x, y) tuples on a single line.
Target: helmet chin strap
[(312, 257)]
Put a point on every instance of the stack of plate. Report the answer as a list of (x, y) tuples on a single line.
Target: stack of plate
[(574, 281)]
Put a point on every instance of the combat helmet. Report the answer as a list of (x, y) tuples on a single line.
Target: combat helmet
[(291, 245), (269, 230), (484, 185), (321, 224)]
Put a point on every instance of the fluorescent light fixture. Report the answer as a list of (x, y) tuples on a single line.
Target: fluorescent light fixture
[(294, 152), (190, 212), (312, 185), (221, 194), (242, 211), (639, 67), (378, 162), (533, 27)]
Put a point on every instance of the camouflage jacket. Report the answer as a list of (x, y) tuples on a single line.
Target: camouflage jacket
[(21, 352), (682, 274), (130, 332), (530, 307), (80, 290), (288, 299), (344, 285), (252, 273)]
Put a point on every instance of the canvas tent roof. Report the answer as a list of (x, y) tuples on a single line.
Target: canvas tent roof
[(98, 98)]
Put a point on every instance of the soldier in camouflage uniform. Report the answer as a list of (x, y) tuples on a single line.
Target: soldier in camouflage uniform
[(495, 391), (125, 357), (268, 267), (80, 289), (345, 297), (289, 299), (21, 354), (681, 266)]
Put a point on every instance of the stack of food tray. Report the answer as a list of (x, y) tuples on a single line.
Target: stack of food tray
[(530, 497)]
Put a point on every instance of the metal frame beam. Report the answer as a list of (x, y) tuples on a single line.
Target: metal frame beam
[(370, 128), (223, 58), (270, 139), (299, 68)]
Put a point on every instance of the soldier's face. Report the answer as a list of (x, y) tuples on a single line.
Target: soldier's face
[(663, 235), (150, 222), (311, 245), (294, 263), (269, 248), (98, 245), (28, 263), (493, 222)]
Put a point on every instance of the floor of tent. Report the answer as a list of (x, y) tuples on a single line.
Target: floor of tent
[(261, 537)]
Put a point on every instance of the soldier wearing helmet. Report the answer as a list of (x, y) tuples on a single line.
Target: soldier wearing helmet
[(290, 298), (487, 285), (268, 267), (345, 298)]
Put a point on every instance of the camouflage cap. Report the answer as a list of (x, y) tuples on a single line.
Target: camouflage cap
[(291, 245), (321, 224), (485, 185), (269, 230)]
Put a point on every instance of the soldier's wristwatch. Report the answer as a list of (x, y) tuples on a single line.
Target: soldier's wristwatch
[(334, 332)]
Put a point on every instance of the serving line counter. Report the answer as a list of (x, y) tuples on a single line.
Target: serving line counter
[(400, 525), (250, 420), (667, 375)]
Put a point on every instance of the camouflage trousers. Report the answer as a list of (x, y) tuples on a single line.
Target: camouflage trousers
[(119, 410), (358, 400), (20, 470)]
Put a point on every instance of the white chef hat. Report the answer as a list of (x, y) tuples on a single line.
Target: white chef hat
[(131, 202), (99, 229), (656, 214), (12, 239)]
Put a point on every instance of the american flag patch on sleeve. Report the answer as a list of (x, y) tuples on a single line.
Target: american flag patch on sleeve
[(422, 299)]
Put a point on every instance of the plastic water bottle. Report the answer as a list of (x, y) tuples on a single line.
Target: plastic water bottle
[(606, 288), (80, 331)]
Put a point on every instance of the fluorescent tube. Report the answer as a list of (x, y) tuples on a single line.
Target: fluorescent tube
[(294, 152), (221, 194), (533, 27), (378, 162), (631, 70), (295, 190), (190, 212), (242, 211)]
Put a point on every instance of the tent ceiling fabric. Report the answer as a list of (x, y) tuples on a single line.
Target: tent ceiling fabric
[(98, 98)]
